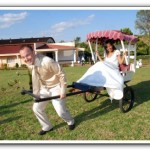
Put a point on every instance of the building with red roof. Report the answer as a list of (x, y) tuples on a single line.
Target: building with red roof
[(60, 52)]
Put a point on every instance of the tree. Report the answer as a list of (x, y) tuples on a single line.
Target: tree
[(127, 30), (143, 24), (142, 48), (146, 40), (62, 41), (143, 21), (77, 41)]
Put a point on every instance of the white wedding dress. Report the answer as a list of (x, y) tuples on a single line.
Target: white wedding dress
[(106, 74)]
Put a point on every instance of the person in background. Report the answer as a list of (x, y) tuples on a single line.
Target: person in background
[(48, 79), (82, 61)]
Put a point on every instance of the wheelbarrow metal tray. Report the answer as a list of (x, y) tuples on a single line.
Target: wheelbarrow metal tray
[(86, 87)]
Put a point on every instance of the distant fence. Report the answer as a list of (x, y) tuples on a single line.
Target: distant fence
[(145, 59)]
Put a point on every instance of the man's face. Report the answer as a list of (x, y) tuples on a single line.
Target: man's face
[(28, 56)]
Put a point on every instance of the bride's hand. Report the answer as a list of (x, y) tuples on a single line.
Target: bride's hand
[(97, 52)]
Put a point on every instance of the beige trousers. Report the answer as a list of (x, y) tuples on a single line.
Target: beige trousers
[(58, 104)]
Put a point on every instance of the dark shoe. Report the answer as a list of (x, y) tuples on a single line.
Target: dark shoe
[(71, 127), (42, 132)]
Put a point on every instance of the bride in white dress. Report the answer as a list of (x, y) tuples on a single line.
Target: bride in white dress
[(105, 73)]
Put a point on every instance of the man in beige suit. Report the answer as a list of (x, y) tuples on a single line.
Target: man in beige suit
[(48, 80)]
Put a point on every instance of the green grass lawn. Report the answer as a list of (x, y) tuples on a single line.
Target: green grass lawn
[(98, 120)]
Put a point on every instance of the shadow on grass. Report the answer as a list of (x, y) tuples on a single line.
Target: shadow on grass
[(14, 104), (6, 112), (9, 120), (13, 117), (6, 109), (104, 107), (141, 92), (95, 112), (60, 125)]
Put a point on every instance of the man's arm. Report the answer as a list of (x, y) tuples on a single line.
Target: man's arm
[(62, 78)]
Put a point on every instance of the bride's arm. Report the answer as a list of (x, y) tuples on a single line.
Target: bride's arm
[(121, 58)]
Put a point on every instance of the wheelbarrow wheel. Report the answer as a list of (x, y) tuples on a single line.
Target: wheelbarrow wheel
[(89, 97), (126, 103)]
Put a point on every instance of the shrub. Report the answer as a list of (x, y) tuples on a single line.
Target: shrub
[(23, 66), (5, 66), (16, 65)]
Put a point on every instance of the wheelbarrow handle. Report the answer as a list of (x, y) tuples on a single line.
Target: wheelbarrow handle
[(23, 92), (37, 99), (83, 88)]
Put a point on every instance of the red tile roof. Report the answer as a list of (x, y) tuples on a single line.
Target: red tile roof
[(9, 49), (13, 49)]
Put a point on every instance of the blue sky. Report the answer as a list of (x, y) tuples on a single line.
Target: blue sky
[(63, 24)]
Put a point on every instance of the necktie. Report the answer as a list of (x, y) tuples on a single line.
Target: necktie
[(35, 81)]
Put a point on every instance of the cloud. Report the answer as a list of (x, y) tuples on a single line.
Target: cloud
[(7, 20), (60, 27)]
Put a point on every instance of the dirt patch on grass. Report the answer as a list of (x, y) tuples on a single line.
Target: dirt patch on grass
[(146, 66)]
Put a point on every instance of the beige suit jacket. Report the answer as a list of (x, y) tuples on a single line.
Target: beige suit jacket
[(49, 72)]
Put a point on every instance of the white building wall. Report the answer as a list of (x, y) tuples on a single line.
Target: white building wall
[(66, 55)]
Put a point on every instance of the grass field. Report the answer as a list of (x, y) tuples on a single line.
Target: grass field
[(98, 120)]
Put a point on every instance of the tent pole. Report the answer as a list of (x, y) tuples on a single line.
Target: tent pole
[(129, 51), (96, 48), (135, 56), (122, 44), (91, 51)]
